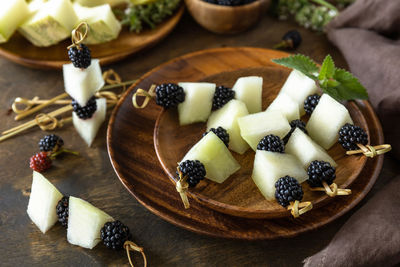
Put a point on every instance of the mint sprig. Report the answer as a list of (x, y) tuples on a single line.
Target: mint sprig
[(338, 83)]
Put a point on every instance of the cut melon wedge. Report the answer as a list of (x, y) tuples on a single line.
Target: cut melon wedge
[(249, 91), (93, 3), (306, 150), (198, 102), (82, 84), (216, 157), (326, 120), (287, 106), (88, 128), (103, 25), (84, 223), (226, 117), (298, 86), (254, 127), (270, 166), (12, 14), (43, 202)]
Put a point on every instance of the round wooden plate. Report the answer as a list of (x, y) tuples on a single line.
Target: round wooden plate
[(21, 51), (131, 150)]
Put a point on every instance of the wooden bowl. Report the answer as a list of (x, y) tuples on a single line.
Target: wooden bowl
[(227, 19)]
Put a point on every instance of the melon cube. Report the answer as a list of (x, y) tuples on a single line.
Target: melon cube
[(12, 14), (326, 120), (198, 102), (249, 91), (52, 23), (82, 84), (306, 150), (298, 86), (270, 166), (88, 128), (215, 156), (287, 106), (84, 223), (43, 202), (104, 26), (226, 117), (254, 127)]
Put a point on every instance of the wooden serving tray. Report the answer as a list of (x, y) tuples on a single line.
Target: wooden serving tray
[(130, 146)]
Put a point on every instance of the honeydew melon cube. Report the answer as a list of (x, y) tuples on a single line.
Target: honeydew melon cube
[(287, 106), (82, 84), (88, 128), (52, 23), (226, 117), (12, 14), (326, 120), (92, 3), (198, 102), (43, 202), (306, 150), (249, 91), (298, 86), (254, 127), (84, 223), (270, 166), (104, 26), (215, 156)]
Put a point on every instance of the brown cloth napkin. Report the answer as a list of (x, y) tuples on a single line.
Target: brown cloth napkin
[(368, 35)]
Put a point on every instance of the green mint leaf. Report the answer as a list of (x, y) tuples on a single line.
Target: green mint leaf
[(301, 63), (327, 69)]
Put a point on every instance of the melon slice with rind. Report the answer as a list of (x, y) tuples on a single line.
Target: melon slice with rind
[(82, 84), (88, 128), (306, 150), (12, 14), (270, 166), (198, 102), (43, 202), (84, 223), (215, 156), (287, 106), (326, 120), (226, 117), (254, 127), (249, 91)]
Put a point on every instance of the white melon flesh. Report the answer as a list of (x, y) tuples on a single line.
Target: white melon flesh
[(88, 128), (270, 166), (249, 91), (226, 117), (254, 127), (215, 156), (104, 26), (298, 86), (306, 150), (52, 23), (82, 84), (12, 14), (198, 102), (326, 120), (92, 3), (287, 106), (43, 202), (84, 223)]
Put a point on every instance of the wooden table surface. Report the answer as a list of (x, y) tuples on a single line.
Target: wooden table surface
[(92, 178)]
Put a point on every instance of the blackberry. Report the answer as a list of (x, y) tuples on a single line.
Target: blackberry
[(114, 234), (295, 124), (222, 96), (80, 57), (311, 102), (194, 171), (87, 111), (288, 190), (40, 162), (351, 135), (62, 211), (221, 133), (320, 171), (169, 95), (290, 40), (50, 142), (271, 143)]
